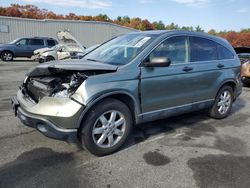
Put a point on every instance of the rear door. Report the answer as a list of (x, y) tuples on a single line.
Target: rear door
[(168, 90), (34, 44), (208, 69)]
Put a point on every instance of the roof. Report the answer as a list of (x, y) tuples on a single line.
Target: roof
[(36, 37)]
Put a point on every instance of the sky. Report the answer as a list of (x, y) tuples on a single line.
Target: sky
[(209, 14)]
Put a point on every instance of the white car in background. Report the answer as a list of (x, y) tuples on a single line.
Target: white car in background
[(67, 48)]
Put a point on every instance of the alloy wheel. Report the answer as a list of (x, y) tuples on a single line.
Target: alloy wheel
[(224, 102), (7, 56), (108, 129)]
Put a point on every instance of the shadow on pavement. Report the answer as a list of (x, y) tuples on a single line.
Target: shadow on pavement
[(198, 123), (41, 167)]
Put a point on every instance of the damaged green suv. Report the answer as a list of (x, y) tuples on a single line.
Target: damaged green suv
[(131, 79)]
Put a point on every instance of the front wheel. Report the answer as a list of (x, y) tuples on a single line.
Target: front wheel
[(49, 58), (223, 103), (106, 127), (41, 61)]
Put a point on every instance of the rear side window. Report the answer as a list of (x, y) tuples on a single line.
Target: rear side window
[(203, 49), (224, 53), (36, 42), (51, 42)]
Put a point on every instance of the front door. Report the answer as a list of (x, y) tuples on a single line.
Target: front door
[(167, 90), (22, 48)]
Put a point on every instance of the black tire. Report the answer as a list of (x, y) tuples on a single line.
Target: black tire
[(89, 139), (245, 84), (7, 56), (216, 111), (41, 61), (49, 58)]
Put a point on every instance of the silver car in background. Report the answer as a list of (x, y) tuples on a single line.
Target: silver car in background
[(68, 48)]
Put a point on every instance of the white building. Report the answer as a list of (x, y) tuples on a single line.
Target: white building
[(87, 33)]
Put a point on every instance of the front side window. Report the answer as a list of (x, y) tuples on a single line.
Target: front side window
[(203, 49), (35, 42), (224, 53), (175, 48), (120, 50), (22, 42)]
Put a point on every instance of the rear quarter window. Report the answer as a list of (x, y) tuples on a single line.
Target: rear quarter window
[(224, 53), (203, 49)]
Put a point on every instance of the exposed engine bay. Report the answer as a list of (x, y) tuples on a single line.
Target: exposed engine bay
[(58, 84)]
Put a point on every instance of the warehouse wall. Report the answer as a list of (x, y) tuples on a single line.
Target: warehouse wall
[(86, 32)]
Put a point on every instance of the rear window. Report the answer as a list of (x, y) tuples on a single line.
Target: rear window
[(36, 42), (203, 49), (51, 42), (224, 53)]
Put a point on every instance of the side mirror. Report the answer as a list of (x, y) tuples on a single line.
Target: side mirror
[(158, 62), (18, 44)]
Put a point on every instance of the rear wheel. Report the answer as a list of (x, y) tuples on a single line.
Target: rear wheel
[(223, 103), (7, 56), (106, 127)]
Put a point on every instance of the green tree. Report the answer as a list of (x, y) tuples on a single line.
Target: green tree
[(172, 26), (188, 28), (159, 25), (199, 29), (102, 17)]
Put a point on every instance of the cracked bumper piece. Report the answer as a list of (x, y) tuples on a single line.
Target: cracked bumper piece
[(44, 126)]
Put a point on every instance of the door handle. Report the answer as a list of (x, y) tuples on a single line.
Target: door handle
[(220, 65), (187, 69)]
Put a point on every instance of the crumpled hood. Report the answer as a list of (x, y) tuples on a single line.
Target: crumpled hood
[(46, 69), (66, 38)]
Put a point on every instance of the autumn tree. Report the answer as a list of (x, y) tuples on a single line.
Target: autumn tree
[(86, 18), (51, 15), (72, 16), (212, 32)]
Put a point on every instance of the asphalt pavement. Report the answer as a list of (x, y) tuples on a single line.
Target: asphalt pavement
[(188, 151)]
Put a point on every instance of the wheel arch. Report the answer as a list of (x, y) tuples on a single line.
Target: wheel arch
[(50, 56), (230, 83), (124, 97)]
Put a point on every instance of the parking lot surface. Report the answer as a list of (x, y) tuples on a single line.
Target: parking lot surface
[(191, 150)]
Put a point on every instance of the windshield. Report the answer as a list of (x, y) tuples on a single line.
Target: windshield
[(14, 41), (120, 50)]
